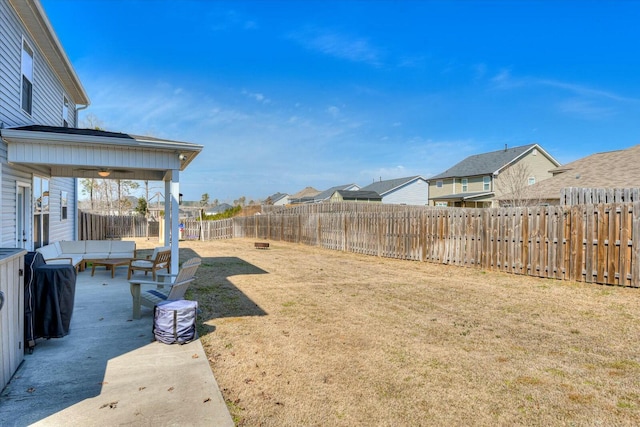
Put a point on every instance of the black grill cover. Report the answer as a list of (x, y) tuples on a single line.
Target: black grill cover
[(32, 260), (54, 294)]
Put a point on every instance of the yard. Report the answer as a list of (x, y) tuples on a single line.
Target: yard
[(298, 335)]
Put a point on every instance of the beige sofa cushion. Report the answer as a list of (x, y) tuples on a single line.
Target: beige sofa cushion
[(122, 249), (73, 246), (97, 246)]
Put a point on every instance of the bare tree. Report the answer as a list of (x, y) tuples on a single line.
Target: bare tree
[(88, 186), (91, 121), (515, 188)]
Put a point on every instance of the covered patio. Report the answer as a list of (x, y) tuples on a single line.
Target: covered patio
[(89, 153), (108, 370), (467, 200)]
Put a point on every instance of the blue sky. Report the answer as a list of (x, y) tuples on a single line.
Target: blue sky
[(285, 95)]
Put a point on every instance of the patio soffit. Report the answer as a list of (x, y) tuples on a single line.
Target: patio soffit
[(82, 153)]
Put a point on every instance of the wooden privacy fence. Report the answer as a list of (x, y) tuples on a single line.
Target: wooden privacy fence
[(207, 230), (581, 196), (100, 227), (584, 243)]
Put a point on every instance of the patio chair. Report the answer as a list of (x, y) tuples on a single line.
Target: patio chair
[(177, 287), (159, 260)]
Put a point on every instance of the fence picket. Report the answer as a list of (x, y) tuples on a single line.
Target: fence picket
[(581, 242)]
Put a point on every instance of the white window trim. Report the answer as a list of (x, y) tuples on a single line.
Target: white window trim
[(486, 183), (31, 80), (464, 185), (65, 110), (439, 183)]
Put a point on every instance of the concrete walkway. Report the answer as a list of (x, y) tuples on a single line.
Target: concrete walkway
[(109, 372)]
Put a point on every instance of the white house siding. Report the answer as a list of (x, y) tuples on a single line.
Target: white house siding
[(283, 201), (11, 32), (48, 95), (48, 92), (58, 228), (413, 193), (9, 177)]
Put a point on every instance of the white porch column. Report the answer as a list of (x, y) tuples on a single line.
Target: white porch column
[(175, 220), (167, 213)]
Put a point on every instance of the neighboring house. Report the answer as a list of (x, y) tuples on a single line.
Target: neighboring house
[(213, 210), (479, 180), (327, 194), (412, 190), (281, 201), (42, 154), (277, 199), (355, 196), (305, 195), (611, 169)]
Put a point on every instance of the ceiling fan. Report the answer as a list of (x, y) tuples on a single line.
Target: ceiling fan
[(105, 172)]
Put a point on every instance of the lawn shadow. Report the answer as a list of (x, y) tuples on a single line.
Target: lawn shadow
[(216, 294)]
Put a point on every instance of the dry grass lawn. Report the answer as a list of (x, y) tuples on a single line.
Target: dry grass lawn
[(299, 335)]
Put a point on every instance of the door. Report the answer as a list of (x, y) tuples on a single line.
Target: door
[(23, 218)]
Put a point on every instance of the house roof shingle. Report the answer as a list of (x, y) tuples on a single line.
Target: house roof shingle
[(611, 169), (277, 196), (324, 195), (384, 187), (486, 163)]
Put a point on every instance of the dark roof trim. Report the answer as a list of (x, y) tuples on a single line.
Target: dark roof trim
[(464, 196)]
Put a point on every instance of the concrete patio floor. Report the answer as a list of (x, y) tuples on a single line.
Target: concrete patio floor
[(108, 371)]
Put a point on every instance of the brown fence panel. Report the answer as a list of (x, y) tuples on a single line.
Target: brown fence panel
[(595, 243)]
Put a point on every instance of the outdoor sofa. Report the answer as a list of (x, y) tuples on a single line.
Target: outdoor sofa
[(79, 252)]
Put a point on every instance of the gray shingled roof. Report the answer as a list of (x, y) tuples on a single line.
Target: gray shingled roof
[(324, 195), (485, 163), (383, 187), (277, 196)]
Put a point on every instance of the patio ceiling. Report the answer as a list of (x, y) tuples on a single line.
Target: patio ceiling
[(83, 153)]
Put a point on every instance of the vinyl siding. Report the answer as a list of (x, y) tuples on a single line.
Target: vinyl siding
[(448, 187), (11, 33), (47, 90), (414, 193), (48, 95), (60, 229), (538, 167)]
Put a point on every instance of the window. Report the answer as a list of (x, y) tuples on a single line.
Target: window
[(27, 77), (40, 212), (486, 183), (465, 185), (64, 206), (531, 180), (65, 112), (439, 183)]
